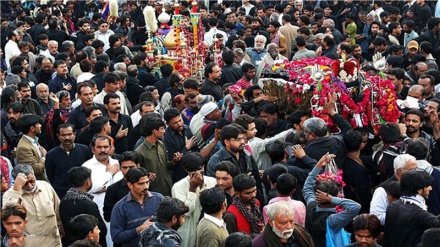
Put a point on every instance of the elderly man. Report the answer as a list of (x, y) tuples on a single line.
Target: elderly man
[(257, 52), (52, 50), (282, 229), (43, 97), (270, 58), (41, 202)]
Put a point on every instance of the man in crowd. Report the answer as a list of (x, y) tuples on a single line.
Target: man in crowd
[(135, 212), (14, 222), (77, 201), (170, 217), (72, 154), (42, 203)]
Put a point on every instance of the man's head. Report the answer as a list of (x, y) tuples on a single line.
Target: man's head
[(85, 93), (260, 42), (389, 133), (80, 177), (52, 46), (101, 146), (428, 84), (146, 107), (431, 237), (233, 137), (213, 201), (248, 71), (112, 103), (353, 141), (276, 151), (416, 183), (174, 119), (100, 124), (416, 91), (269, 113), (138, 181), (14, 112), (30, 124), (273, 50), (26, 171), (366, 228), (213, 72), (413, 121), (286, 184), (420, 68), (314, 128), (248, 123), (418, 147), (128, 160), (84, 226), (61, 67), (155, 127), (103, 26), (25, 90), (42, 91), (225, 172), (402, 164), (238, 239), (66, 134), (111, 83), (282, 219), (298, 117), (14, 221), (245, 189), (47, 65), (273, 27), (211, 111), (171, 211)]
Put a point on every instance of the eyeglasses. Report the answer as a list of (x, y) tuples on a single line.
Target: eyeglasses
[(241, 139)]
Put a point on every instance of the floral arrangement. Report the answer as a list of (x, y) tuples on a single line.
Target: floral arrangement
[(362, 99)]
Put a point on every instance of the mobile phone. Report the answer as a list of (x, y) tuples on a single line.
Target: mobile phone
[(289, 150)]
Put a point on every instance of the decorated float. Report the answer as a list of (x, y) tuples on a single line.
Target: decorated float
[(366, 101), (180, 45)]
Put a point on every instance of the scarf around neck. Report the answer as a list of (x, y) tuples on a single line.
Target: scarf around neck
[(253, 215), (416, 200), (76, 194)]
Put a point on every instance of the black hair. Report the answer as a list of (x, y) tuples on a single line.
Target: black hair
[(415, 112), (285, 184), (229, 167), (238, 239), (345, 47), (352, 140), (79, 175), (300, 41), (81, 225), (98, 123), (431, 237), (192, 161), (246, 67), (269, 108), (154, 123), (134, 174), (16, 107), (418, 147), (295, 117), (276, 151), (26, 121), (393, 189), (97, 43), (191, 84), (212, 200), (104, 138), (111, 77), (13, 209), (413, 181), (228, 57), (328, 186), (243, 182), (249, 91), (166, 70), (109, 96), (100, 66), (170, 114), (209, 68), (65, 126), (244, 120), (261, 127), (230, 131), (399, 73), (368, 222), (389, 133), (170, 207), (129, 156)]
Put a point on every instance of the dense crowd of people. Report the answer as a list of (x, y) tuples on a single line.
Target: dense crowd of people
[(99, 149)]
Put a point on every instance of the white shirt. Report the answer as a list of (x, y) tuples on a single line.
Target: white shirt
[(180, 190), (209, 36), (99, 98), (46, 53), (135, 118), (11, 50), (100, 178), (218, 222), (84, 77), (379, 204), (104, 38)]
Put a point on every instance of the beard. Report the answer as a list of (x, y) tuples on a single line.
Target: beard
[(176, 225), (259, 48), (282, 234), (30, 191)]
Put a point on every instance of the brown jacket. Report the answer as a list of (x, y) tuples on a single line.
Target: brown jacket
[(28, 154)]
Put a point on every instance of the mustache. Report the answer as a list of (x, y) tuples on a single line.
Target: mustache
[(118, 108), (103, 153)]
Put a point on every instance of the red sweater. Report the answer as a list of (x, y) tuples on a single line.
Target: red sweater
[(243, 224)]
